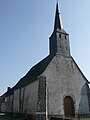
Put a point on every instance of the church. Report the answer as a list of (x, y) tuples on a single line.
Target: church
[(53, 89)]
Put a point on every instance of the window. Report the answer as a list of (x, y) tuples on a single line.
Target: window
[(65, 37), (59, 35)]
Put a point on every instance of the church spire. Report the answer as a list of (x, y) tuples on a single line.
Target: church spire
[(57, 24), (59, 40)]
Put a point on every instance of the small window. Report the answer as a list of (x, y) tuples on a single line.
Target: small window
[(65, 37), (59, 35)]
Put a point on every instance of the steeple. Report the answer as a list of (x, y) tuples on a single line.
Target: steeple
[(59, 40), (57, 24)]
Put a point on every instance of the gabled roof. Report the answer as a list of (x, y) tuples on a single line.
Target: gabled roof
[(32, 74), (35, 72)]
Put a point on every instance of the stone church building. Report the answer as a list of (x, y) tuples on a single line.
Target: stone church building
[(53, 89)]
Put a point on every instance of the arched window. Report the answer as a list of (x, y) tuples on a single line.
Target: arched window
[(69, 109)]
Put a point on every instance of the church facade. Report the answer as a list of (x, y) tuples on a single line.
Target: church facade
[(53, 89)]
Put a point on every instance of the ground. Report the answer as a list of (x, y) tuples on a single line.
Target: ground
[(8, 118)]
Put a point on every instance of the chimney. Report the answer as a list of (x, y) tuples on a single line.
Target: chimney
[(8, 88)]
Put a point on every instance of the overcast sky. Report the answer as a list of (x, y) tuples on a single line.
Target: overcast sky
[(25, 28)]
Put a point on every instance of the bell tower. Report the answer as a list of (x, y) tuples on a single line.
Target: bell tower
[(59, 40)]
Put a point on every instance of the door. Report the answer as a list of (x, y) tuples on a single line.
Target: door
[(69, 107)]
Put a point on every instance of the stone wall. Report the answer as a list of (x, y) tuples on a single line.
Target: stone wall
[(64, 78), (41, 103), (23, 100), (30, 98)]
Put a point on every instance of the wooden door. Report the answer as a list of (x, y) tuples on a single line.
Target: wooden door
[(69, 107)]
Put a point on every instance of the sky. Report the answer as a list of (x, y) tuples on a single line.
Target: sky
[(25, 28)]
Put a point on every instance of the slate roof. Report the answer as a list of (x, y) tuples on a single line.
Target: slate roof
[(32, 74), (58, 24)]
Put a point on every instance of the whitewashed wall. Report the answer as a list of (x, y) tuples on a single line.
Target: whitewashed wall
[(9, 103), (64, 79), (22, 99), (3, 107), (16, 101), (30, 98)]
